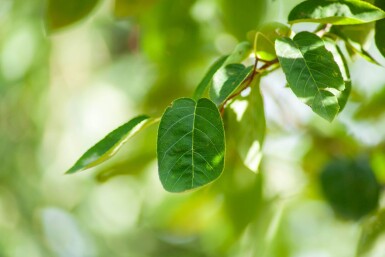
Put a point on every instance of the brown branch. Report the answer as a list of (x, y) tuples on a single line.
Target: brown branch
[(248, 81)]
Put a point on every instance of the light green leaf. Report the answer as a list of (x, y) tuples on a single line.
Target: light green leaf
[(341, 12), (108, 146), (240, 53), (342, 64), (205, 82), (380, 30), (62, 13), (247, 125), (311, 72), (226, 81), (355, 44), (265, 38), (191, 144), (372, 229)]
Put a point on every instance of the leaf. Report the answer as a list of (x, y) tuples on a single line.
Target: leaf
[(240, 53), (127, 8), (191, 145), (341, 12), (110, 145), (372, 229), (380, 30), (205, 82), (247, 125), (231, 75), (62, 13), (342, 64), (353, 43), (311, 72), (265, 38), (227, 80)]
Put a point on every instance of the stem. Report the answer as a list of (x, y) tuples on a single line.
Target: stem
[(248, 81), (323, 30)]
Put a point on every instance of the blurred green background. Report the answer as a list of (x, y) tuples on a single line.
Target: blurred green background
[(63, 90)]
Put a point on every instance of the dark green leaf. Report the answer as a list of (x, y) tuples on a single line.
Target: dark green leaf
[(380, 30), (61, 13), (342, 12), (311, 72), (350, 187), (227, 80), (247, 125), (109, 145), (205, 82), (342, 64), (191, 145)]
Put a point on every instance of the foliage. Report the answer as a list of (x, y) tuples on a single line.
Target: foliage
[(265, 166)]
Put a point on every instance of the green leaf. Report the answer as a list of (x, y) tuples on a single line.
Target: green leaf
[(372, 229), (341, 12), (191, 144), (353, 42), (62, 13), (227, 80), (129, 8), (311, 72), (108, 146), (265, 38), (240, 53), (380, 30), (247, 125), (350, 187), (205, 82), (231, 75), (342, 64)]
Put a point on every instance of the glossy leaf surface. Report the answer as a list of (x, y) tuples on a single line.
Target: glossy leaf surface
[(205, 82), (109, 145), (62, 13), (311, 72), (227, 80), (342, 12), (191, 144)]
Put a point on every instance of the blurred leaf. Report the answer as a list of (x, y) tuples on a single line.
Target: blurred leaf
[(342, 64), (62, 13), (241, 16), (247, 125), (127, 8), (191, 144), (342, 12), (380, 30), (240, 53), (350, 187), (353, 43), (132, 165), (265, 38), (226, 81), (205, 82), (311, 72), (110, 145), (371, 231), (372, 109)]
